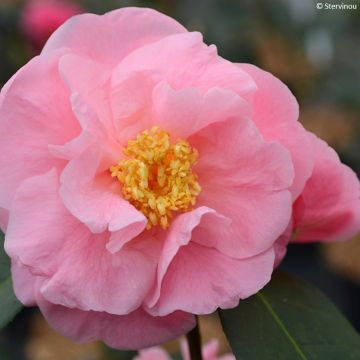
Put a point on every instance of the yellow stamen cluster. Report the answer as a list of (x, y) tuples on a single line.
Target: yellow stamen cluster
[(157, 177)]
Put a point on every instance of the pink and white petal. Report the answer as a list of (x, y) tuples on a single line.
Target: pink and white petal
[(24, 284), (186, 111), (179, 234), (32, 117), (94, 197), (276, 112), (183, 60), (154, 353), (329, 206), (220, 281), (110, 37), (245, 179), (134, 331)]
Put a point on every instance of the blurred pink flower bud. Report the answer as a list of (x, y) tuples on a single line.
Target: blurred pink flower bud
[(40, 18)]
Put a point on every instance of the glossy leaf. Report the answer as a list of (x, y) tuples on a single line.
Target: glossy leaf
[(289, 319)]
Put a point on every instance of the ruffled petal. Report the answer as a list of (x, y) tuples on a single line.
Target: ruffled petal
[(178, 235), (32, 119), (187, 111), (78, 269), (134, 331), (276, 112), (110, 37), (183, 60), (24, 284), (247, 180), (140, 100), (329, 206), (220, 281)]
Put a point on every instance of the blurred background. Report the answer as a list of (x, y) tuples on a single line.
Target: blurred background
[(316, 52)]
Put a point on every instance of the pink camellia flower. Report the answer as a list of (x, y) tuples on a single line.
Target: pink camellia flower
[(40, 18), (209, 352), (144, 179)]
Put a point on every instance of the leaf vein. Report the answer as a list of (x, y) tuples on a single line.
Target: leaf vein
[(281, 325)]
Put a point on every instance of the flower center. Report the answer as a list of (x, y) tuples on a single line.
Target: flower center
[(157, 177)]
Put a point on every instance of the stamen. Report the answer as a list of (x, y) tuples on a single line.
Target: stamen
[(157, 176)]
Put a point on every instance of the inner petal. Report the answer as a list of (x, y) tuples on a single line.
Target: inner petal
[(157, 176)]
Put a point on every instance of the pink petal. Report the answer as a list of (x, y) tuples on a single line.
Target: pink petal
[(110, 37), (31, 120), (131, 102), (91, 278), (280, 246), (276, 112), (178, 235), (134, 331), (329, 206), (24, 284), (38, 224), (94, 197), (183, 60), (154, 353), (140, 101), (220, 281), (78, 269), (4, 219), (246, 180), (92, 81), (186, 111), (209, 351)]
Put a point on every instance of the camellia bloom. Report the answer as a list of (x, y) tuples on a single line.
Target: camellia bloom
[(144, 179), (209, 352), (40, 18)]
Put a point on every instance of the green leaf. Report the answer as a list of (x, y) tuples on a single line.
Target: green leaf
[(4, 261), (289, 319), (9, 305), (113, 354)]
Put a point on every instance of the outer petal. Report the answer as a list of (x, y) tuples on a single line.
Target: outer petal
[(329, 206), (220, 281), (78, 270), (24, 284), (178, 235), (33, 115), (183, 60), (247, 180), (110, 37), (281, 243), (134, 331), (4, 219), (276, 112)]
